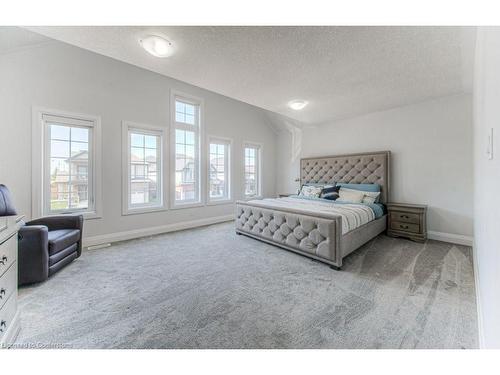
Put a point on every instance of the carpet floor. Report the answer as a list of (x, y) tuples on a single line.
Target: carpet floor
[(209, 288)]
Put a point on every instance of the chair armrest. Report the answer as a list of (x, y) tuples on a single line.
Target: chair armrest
[(59, 222), (33, 254), (34, 237)]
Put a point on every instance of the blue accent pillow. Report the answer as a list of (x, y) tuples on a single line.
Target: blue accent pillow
[(330, 192), (361, 187)]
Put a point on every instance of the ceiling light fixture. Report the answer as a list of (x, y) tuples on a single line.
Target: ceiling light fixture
[(157, 45), (297, 105)]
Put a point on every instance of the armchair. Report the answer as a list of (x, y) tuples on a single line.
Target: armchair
[(45, 245), (48, 244)]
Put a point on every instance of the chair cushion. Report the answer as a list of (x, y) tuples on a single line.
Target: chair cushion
[(53, 259), (61, 239)]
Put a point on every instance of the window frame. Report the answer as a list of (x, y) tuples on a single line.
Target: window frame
[(199, 149), (40, 200), (258, 147), (160, 131), (227, 168)]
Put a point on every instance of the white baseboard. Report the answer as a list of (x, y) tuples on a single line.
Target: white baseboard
[(480, 327), (144, 232), (450, 237)]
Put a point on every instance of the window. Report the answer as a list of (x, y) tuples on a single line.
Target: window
[(143, 183), (218, 170), (186, 151), (66, 163), (252, 170)]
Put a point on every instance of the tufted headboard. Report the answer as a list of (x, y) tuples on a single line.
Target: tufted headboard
[(365, 168)]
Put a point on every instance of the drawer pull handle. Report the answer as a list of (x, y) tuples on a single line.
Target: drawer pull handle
[(405, 216), (3, 325), (3, 260), (404, 226), (2, 293)]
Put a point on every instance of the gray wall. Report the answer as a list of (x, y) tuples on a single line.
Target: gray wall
[(487, 184), (431, 144), (59, 76)]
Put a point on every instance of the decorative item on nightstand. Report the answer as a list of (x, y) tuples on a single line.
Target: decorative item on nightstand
[(407, 220)]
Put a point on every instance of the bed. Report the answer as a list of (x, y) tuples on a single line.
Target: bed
[(325, 231)]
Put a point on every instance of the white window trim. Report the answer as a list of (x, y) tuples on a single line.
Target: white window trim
[(229, 199), (129, 125), (201, 150), (38, 166), (260, 146)]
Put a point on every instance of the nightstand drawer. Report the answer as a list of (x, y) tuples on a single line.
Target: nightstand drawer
[(7, 314), (405, 217), (406, 227), (8, 284), (8, 253)]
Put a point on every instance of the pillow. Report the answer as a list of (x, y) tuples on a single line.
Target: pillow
[(362, 187), (330, 192), (370, 197), (352, 196), (310, 191), (6, 205)]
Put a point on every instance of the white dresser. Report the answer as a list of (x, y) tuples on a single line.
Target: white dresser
[(9, 316)]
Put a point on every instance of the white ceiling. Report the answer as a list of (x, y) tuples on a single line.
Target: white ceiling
[(342, 71)]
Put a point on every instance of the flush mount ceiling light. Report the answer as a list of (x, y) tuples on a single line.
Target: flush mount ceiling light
[(297, 105), (157, 45)]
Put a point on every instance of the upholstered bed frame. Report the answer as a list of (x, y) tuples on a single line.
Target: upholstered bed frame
[(320, 236)]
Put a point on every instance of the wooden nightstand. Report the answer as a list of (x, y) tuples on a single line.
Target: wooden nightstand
[(285, 195), (407, 220)]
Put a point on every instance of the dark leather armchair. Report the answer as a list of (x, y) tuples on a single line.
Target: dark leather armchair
[(45, 245)]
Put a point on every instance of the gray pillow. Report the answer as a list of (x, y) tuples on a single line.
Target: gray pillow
[(6, 204)]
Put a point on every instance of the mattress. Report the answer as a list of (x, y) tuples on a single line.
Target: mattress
[(353, 215)]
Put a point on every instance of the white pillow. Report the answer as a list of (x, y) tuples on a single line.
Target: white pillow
[(349, 195), (369, 197), (310, 191)]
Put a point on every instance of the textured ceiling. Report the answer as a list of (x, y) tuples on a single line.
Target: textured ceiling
[(341, 71)]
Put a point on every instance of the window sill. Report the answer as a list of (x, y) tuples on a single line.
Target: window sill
[(143, 210), (220, 202), (91, 215), (179, 206), (253, 198), (86, 215)]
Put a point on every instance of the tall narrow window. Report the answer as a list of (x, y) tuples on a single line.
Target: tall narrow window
[(252, 171), (144, 182), (69, 164), (186, 151), (218, 170)]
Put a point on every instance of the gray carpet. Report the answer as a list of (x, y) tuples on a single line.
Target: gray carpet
[(209, 288)]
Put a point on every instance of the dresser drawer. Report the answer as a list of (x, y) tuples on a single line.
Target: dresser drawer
[(8, 253), (405, 217), (7, 315), (8, 284), (405, 227)]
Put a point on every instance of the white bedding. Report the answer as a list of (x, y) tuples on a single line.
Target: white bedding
[(353, 215)]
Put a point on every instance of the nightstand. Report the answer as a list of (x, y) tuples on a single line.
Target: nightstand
[(285, 195), (407, 220)]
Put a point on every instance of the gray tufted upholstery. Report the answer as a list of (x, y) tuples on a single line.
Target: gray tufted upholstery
[(311, 235), (369, 168)]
